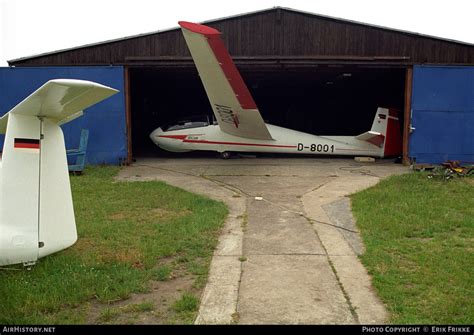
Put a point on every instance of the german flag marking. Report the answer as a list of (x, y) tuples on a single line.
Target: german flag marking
[(26, 143)]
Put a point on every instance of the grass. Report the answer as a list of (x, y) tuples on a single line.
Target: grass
[(130, 234), (419, 236), (110, 314), (186, 306)]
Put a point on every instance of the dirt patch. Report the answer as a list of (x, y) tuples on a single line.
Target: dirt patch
[(153, 307), (131, 256), (105, 254), (83, 244), (160, 213), (469, 181), (118, 216), (149, 214)]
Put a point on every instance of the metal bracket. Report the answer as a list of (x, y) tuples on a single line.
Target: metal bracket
[(29, 264)]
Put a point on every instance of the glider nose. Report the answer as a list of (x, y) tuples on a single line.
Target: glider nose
[(155, 135)]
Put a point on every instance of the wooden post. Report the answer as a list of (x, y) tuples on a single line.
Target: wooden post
[(407, 113), (128, 114)]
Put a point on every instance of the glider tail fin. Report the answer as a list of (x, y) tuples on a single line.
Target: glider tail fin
[(19, 190), (393, 135), (385, 132), (36, 209), (57, 225)]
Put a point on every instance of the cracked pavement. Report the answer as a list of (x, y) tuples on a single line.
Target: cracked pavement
[(288, 253)]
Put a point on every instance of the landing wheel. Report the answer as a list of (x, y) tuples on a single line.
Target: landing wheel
[(225, 155)]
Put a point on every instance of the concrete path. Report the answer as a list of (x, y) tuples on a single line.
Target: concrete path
[(288, 251)]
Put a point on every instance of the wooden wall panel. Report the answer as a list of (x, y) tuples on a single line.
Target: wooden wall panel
[(273, 33)]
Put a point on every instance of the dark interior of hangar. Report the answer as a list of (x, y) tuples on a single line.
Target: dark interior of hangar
[(322, 100)]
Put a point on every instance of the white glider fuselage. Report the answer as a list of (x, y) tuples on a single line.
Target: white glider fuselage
[(284, 141), (240, 126)]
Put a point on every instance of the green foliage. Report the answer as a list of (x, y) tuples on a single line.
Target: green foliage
[(419, 234), (187, 303), (162, 273), (110, 314), (186, 307)]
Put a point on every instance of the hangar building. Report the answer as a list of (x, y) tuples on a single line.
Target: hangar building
[(308, 72)]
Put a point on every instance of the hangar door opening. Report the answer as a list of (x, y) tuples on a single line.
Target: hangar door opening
[(318, 99)]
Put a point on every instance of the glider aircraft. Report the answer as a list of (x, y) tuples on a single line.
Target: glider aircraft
[(36, 209), (241, 128)]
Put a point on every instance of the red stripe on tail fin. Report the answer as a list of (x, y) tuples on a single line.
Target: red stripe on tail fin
[(393, 139), (225, 61), (199, 28), (377, 140)]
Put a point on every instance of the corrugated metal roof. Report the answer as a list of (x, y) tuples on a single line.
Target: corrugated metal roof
[(326, 17)]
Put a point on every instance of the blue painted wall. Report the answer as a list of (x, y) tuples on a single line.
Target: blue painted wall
[(106, 120), (442, 114)]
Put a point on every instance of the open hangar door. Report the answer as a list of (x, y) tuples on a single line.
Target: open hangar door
[(329, 99)]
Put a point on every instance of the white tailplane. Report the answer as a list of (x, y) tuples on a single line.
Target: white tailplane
[(36, 209)]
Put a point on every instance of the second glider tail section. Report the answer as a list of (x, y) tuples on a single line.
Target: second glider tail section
[(385, 132)]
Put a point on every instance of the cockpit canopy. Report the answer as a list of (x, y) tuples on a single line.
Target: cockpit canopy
[(193, 121)]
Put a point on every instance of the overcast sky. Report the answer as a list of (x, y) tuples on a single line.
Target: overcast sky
[(30, 27)]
